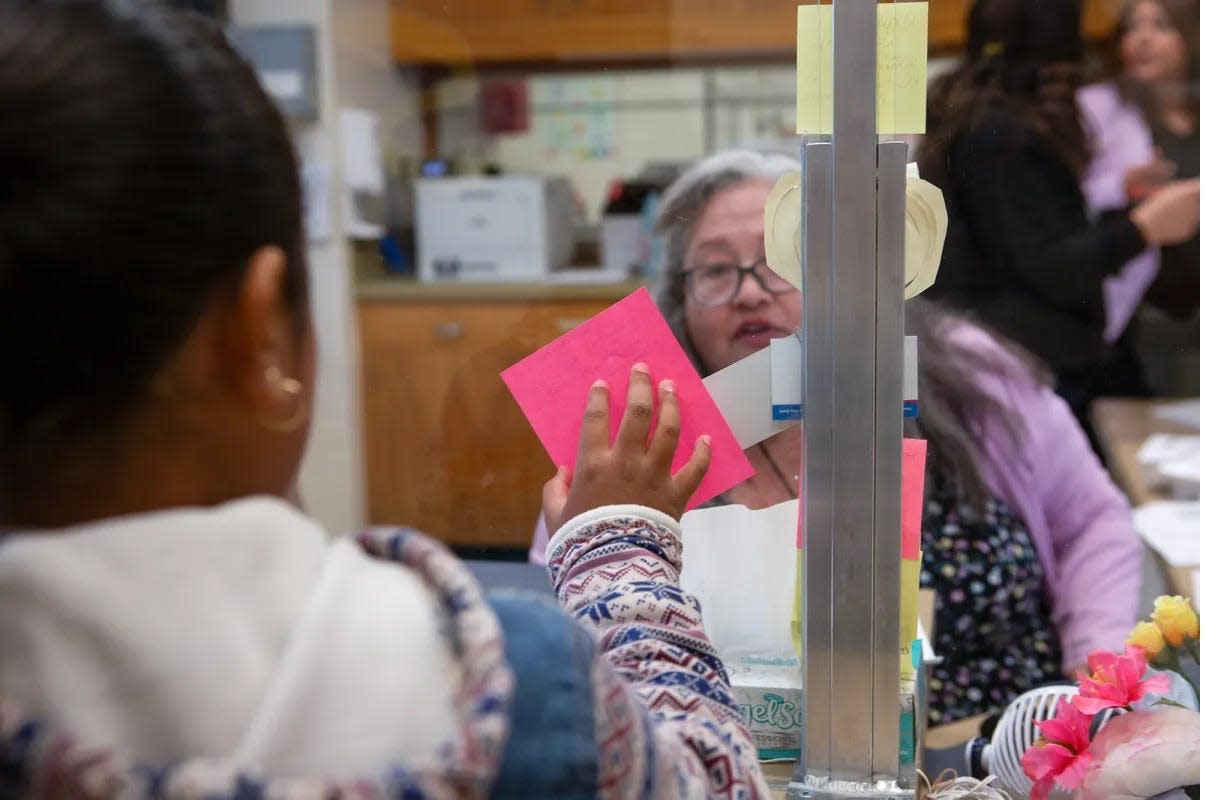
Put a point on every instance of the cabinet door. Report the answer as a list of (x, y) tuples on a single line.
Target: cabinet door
[(448, 450)]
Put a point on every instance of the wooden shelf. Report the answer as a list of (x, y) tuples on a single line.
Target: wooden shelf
[(462, 33)]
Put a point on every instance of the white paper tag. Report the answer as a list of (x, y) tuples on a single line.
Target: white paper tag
[(786, 377), (741, 392), (774, 377)]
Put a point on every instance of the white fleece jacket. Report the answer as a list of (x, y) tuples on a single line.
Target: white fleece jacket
[(116, 631)]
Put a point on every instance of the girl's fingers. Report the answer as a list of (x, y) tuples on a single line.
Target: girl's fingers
[(596, 423), (638, 416), (665, 438), (687, 479), (554, 496)]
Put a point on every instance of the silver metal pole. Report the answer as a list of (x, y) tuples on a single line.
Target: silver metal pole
[(886, 571), (819, 457), (853, 252), (854, 315)]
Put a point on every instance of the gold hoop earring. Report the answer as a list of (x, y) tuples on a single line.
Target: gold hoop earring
[(292, 387)]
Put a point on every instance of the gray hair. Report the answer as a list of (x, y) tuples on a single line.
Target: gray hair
[(948, 388), (683, 203)]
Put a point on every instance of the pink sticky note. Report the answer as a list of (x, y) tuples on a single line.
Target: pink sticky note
[(552, 385), (913, 471)]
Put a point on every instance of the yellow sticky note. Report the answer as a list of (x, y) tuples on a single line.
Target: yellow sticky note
[(901, 68), (910, 575), (911, 570)]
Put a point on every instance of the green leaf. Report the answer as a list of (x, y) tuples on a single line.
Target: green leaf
[(1166, 701)]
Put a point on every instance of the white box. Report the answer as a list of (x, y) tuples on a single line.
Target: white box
[(625, 245), (492, 228)]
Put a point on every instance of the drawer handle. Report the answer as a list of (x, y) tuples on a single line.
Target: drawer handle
[(449, 330), (565, 324)]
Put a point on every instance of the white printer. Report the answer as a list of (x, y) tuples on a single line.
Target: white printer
[(504, 228)]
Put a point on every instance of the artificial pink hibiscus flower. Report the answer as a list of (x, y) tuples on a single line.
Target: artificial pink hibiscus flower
[(1116, 681), (1061, 755)]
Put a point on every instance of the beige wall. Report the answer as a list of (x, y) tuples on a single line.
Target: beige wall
[(674, 114), (331, 477)]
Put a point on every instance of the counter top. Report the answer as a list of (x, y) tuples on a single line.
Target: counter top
[(1123, 424), (374, 283), (408, 289)]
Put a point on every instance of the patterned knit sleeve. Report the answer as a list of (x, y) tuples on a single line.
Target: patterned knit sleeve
[(667, 722)]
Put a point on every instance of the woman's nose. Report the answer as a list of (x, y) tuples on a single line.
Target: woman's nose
[(750, 292)]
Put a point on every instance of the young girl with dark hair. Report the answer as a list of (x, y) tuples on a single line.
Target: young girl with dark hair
[(169, 626)]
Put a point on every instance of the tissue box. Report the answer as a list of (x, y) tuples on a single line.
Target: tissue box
[(740, 566), (770, 697), (774, 715)]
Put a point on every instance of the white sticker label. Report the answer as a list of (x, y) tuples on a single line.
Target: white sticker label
[(786, 377)]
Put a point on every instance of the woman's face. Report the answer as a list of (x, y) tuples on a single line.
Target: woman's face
[(1152, 48), (730, 231)]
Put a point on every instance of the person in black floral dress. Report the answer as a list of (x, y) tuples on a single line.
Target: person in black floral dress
[(992, 613)]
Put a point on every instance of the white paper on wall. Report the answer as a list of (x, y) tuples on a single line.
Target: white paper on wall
[(361, 169), (317, 208)]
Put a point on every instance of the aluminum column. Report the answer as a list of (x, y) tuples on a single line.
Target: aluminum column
[(853, 253)]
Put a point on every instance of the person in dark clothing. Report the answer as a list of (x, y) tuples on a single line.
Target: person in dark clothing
[(1006, 146)]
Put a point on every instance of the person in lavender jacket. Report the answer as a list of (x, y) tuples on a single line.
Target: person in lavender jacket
[(170, 626), (1027, 543), (1144, 132)]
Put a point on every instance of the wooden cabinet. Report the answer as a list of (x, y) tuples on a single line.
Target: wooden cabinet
[(478, 31), (946, 21), (461, 32), (448, 450)]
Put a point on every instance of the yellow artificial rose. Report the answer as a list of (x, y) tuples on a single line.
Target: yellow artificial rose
[(1147, 635), (1176, 619)]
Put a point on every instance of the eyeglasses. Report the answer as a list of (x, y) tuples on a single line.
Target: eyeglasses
[(717, 284)]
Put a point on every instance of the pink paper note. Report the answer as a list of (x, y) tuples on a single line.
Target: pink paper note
[(913, 470), (552, 385)]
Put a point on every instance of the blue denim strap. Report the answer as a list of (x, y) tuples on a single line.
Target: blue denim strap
[(551, 751)]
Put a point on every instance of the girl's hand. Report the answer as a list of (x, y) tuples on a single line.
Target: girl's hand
[(636, 468)]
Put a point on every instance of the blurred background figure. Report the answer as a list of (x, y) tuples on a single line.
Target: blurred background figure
[(1006, 145), (1144, 133)]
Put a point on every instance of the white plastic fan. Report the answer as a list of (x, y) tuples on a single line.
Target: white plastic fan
[(1014, 734)]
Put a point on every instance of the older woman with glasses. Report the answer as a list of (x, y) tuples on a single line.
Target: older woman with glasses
[(1027, 543), (723, 312)]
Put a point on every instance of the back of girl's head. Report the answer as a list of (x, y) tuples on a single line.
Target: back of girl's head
[(1022, 55), (140, 166), (1018, 38)]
